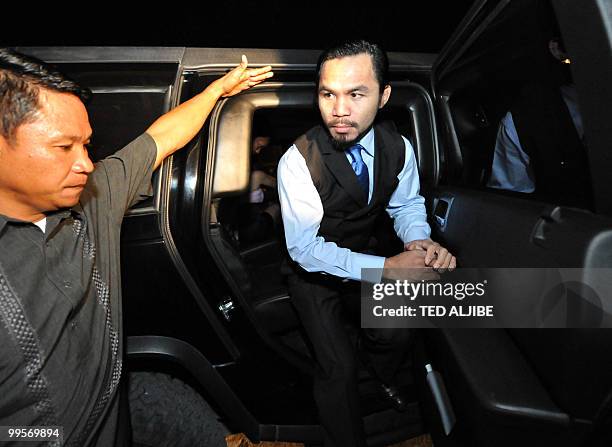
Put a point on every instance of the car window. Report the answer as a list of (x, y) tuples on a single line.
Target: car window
[(517, 118), (117, 117), (126, 99)]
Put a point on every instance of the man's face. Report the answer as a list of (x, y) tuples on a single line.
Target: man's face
[(349, 97), (259, 143), (45, 166)]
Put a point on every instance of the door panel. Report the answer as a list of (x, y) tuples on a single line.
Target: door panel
[(518, 386)]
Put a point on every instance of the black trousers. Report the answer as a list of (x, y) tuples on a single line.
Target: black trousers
[(325, 305)]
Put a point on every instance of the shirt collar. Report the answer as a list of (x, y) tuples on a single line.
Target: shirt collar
[(59, 215), (368, 142)]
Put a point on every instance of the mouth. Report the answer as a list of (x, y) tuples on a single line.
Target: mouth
[(80, 186), (342, 128)]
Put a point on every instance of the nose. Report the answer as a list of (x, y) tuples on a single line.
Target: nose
[(341, 107), (83, 164)]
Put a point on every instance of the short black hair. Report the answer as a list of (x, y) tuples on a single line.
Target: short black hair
[(380, 61), (21, 78), (261, 127)]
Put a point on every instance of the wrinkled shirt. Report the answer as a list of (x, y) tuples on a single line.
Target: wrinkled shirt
[(302, 212), (60, 298)]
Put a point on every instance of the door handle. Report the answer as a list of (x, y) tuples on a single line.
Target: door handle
[(542, 226), (442, 206)]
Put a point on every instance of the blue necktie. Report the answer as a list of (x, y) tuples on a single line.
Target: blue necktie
[(360, 168)]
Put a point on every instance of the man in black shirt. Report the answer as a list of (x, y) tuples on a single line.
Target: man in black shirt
[(60, 219)]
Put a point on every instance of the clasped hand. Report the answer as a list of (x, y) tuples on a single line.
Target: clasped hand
[(422, 259), (436, 256)]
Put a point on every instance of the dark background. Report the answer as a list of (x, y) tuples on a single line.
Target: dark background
[(421, 25)]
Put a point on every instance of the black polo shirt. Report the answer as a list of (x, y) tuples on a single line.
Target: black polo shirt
[(60, 313)]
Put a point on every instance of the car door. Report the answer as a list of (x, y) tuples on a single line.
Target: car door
[(521, 386)]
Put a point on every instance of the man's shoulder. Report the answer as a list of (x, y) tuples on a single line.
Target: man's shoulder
[(387, 126), (140, 152), (307, 139), (312, 143), (390, 138), (121, 177), (141, 149)]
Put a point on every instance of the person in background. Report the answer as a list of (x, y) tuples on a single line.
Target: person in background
[(259, 220), (540, 147)]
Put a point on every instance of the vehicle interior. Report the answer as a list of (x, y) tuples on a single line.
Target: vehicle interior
[(507, 386)]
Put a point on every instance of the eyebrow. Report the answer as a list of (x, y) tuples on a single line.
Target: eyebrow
[(69, 137), (362, 88)]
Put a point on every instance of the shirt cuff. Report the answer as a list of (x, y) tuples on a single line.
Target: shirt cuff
[(373, 264), (416, 234)]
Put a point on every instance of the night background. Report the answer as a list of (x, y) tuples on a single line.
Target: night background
[(422, 26)]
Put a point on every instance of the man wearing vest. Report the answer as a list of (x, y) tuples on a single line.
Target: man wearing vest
[(334, 183)]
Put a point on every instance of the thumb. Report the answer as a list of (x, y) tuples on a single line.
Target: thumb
[(244, 62)]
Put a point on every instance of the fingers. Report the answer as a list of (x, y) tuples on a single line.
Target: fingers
[(448, 263), (260, 71), (260, 77), (413, 246), (441, 254), (417, 245), (432, 251), (443, 262)]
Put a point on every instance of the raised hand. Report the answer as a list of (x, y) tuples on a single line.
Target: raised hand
[(241, 78)]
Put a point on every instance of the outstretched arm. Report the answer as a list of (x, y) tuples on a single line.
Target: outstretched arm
[(176, 128)]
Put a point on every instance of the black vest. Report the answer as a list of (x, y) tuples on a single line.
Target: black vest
[(548, 135), (348, 219)]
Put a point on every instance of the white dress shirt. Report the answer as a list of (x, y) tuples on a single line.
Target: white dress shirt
[(511, 168), (302, 212)]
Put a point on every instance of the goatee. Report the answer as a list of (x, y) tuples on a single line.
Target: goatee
[(343, 145)]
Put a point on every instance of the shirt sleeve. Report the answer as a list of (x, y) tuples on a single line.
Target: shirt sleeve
[(302, 212), (123, 179), (511, 169), (406, 206)]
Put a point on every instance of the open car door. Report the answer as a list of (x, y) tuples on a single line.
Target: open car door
[(529, 386)]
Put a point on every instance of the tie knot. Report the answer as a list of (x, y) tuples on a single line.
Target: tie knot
[(355, 152)]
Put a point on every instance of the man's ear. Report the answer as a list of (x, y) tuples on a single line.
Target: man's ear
[(385, 96)]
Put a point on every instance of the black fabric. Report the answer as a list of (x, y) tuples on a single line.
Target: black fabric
[(327, 308), (67, 284), (548, 135), (348, 219)]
